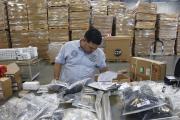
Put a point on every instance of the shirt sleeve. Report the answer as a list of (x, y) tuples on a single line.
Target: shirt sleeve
[(102, 60), (61, 57)]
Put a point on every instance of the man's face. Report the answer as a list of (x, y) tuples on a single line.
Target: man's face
[(89, 47)]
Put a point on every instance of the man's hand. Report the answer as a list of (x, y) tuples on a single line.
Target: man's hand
[(57, 71), (54, 81)]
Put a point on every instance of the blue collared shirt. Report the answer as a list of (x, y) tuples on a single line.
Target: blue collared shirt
[(78, 65)]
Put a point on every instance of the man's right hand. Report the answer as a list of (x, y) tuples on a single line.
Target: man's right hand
[(54, 81)]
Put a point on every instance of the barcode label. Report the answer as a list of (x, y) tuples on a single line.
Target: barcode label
[(147, 102)]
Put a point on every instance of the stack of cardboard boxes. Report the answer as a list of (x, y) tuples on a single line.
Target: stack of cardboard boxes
[(99, 18), (125, 24), (58, 13), (3, 26), (145, 28), (79, 18), (53, 50), (115, 8), (37, 14), (167, 32), (123, 21), (18, 21), (10, 82), (104, 24), (178, 38), (99, 7), (146, 69), (38, 27)]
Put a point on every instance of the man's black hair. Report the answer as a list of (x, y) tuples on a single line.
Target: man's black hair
[(93, 35)]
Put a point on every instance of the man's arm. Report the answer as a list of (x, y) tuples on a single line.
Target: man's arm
[(57, 71), (104, 69)]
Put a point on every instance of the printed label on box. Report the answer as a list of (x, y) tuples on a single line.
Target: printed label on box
[(148, 71)]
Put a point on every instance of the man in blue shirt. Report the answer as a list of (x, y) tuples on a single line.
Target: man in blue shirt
[(80, 59)]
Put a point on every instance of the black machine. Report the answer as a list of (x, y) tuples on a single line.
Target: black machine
[(174, 80)]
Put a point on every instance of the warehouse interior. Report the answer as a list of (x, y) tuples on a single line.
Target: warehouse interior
[(141, 43)]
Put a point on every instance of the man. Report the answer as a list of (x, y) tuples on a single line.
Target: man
[(80, 59)]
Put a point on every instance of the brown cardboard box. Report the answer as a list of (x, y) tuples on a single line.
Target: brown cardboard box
[(168, 17), (145, 25), (147, 8), (118, 44), (145, 34), (146, 16), (13, 71), (122, 78), (146, 69), (5, 88), (53, 50)]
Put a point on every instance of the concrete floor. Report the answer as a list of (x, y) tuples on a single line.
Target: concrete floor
[(46, 69)]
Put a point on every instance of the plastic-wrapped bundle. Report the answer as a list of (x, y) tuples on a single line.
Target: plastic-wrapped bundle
[(98, 106), (140, 100), (76, 87), (78, 114), (86, 100), (30, 107), (56, 115), (106, 106), (160, 112)]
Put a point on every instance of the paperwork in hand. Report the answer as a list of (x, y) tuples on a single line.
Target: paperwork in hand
[(105, 81), (107, 76)]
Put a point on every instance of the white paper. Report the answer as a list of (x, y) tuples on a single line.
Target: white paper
[(107, 76)]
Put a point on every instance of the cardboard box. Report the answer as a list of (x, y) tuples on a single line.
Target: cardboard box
[(53, 50), (5, 88), (118, 48), (146, 69), (78, 34), (13, 71), (122, 78), (147, 8), (168, 17), (150, 34), (145, 25), (146, 16)]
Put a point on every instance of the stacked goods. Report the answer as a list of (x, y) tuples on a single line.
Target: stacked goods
[(3, 34), (99, 7), (143, 41), (115, 8), (167, 32), (58, 3), (124, 19), (149, 8), (125, 24), (2, 16), (38, 27), (79, 17), (18, 20), (178, 39), (40, 39), (53, 50), (145, 28), (20, 38), (58, 20), (37, 14), (3, 39), (104, 24)]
